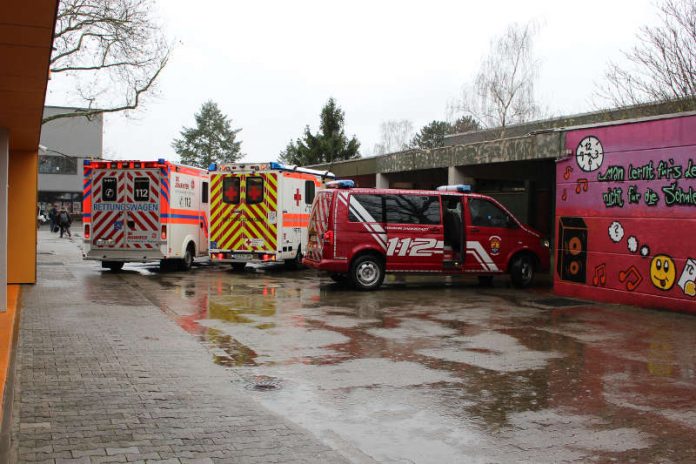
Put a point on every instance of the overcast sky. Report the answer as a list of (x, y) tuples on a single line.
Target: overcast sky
[(271, 66)]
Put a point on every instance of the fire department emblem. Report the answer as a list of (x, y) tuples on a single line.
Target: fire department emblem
[(495, 244)]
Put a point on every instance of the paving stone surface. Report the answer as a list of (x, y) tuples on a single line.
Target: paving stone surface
[(103, 376)]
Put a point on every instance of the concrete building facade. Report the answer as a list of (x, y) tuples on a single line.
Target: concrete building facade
[(64, 144)]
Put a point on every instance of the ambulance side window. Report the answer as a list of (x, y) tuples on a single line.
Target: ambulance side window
[(109, 187), (486, 214), (254, 190), (309, 191), (141, 189), (365, 208), (230, 190), (413, 209), (204, 193)]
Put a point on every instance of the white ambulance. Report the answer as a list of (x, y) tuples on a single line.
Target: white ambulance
[(260, 212), (144, 211)]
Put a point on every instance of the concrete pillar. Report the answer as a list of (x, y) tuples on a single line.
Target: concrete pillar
[(4, 166), (456, 175), (381, 181)]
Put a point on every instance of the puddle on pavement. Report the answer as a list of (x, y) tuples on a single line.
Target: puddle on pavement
[(452, 369)]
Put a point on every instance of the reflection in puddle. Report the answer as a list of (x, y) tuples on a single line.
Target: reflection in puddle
[(426, 372)]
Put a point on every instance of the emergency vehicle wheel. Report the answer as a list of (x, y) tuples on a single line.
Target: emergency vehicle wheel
[(238, 267), (522, 271), (114, 266), (186, 263), (367, 272)]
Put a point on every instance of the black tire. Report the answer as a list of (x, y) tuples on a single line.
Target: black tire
[(238, 267), (485, 281), (339, 278), (367, 272), (522, 271), (114, 266), (187, 261), (296, 262)]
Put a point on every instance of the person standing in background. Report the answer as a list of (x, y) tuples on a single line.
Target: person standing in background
[(64, 222)]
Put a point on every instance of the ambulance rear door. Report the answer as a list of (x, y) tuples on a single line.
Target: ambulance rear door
[(259, 229), (142, 214), (108, 205)]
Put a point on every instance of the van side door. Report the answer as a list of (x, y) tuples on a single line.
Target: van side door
[(414, 232), (489, 236)]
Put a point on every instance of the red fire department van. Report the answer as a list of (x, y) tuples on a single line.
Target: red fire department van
[(359, 234)]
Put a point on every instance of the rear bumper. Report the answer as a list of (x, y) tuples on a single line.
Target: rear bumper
[(126, 256), (223, 256), (328, 265)]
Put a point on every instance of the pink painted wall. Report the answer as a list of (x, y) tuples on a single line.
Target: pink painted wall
[(626, 214)]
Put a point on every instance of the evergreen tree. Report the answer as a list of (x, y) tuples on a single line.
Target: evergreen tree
[(433, 135), (211, 141), (464, 124), (328, 145)]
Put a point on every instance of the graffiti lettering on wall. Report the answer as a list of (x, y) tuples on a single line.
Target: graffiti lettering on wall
[(625, 211), (672, 194)]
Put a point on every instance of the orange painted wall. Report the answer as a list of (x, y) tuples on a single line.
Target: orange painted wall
[(21, 217)]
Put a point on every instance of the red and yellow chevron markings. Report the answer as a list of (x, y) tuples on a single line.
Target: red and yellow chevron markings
[(244, 226)]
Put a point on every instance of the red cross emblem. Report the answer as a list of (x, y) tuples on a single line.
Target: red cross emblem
[(254, 193), (297, 197), (232, 194)]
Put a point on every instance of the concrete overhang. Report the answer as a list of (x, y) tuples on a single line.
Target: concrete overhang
[(26, 37), (547, 145)]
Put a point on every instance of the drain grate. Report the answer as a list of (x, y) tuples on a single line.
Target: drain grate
[(264, 383), (560, 302)]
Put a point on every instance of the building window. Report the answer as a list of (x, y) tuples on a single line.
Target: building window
[(49, 164)]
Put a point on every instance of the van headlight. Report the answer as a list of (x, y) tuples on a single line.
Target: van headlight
[(545, 243)]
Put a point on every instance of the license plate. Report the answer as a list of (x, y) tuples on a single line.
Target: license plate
[(242, 257)]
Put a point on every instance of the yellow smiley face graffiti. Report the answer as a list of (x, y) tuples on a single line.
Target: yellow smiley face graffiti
[(662, 272)]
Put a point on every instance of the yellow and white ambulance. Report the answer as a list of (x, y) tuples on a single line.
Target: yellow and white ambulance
[(259, 212)]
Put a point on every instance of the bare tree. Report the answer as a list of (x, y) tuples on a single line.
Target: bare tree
[(110, 51), (503, 91), (662, 66), (395, 136)]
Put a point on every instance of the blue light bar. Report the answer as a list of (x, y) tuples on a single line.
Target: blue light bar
[(275, 165), (340, 184), (212, 167), (161, 160), (463, 188), (86, 162)]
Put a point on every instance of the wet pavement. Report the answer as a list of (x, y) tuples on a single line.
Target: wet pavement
[(431, 370)]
